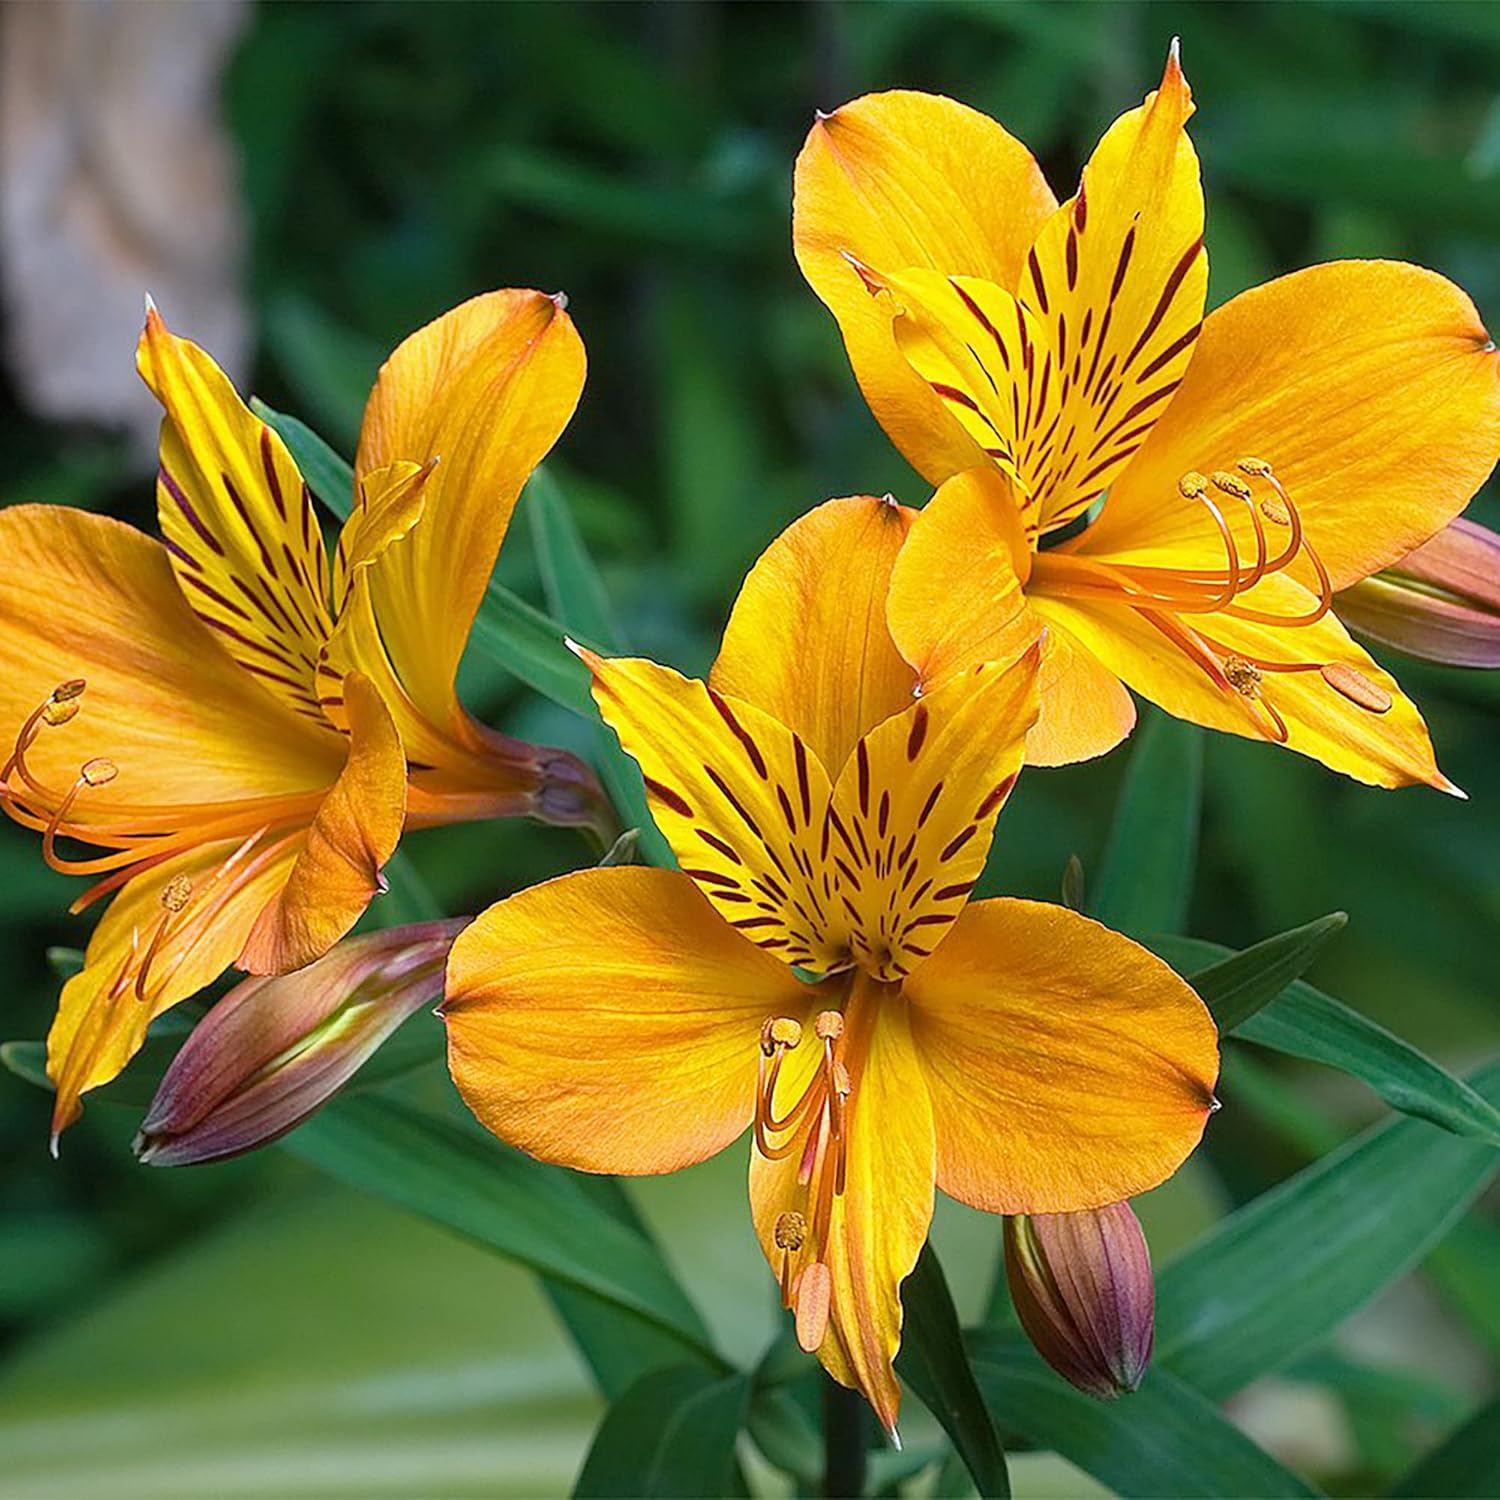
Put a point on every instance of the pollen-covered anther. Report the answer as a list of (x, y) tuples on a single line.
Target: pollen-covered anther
[(1356, 687), (98, 772), (1255, 466), (58, 711), (829, 1025), (1275, 511), (1231, 484), (779, 1031), (176, 893), (1192, 485), (1243, 676), (790, 1231)]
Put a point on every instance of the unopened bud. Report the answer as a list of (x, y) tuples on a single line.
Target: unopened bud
[(1082, 1288), (276, 1049), (1440, 603)]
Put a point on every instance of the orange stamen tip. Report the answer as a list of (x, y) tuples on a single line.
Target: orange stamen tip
[(98, 772), (814, 1294), (1192, 485), (829, 1025), (1231, 484), (779, 1031), (1257, 467), (176, 893), (790, 1231), (1275, 512), (1356, 687), (1244, 676), (56, 713)]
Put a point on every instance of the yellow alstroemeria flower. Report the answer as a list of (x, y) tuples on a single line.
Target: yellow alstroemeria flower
[(1036, 360), (239, 727), (1017, 1055)]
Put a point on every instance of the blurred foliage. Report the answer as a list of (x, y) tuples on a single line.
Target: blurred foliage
[(247, 1329)]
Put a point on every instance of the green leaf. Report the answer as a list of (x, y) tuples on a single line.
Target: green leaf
[(1468, 1463), (671, 1434), (1238, 986), (1145, 877), (540, 1215), (1305, 1022), (1278, 1274), (1163, 1440), (408, 898), (934, 1363), (575, 592), (134, 1088)]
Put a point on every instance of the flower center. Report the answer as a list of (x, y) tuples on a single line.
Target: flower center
[(1175, 600)]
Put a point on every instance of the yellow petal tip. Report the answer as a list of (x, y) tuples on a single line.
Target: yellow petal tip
[(1443, 784)]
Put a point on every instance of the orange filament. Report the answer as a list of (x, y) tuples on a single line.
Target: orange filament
[(133, 837), (1170, 598)]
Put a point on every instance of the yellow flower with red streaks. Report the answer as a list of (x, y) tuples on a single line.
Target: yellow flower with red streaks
[(1175, 497), (237, 727), (1016, 1055)]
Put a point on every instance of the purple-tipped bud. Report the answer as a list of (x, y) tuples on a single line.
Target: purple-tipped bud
[(1440, 603), (276, 1049), (1082, 1288)]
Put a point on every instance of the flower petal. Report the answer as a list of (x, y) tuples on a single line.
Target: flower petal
[(238, 522), (1371, 386), (168, 933), (355, 832), (83, 596), (1068, 1068), (914, 811), (877, 1225), (905, 179), (486, 389), (807, 641), (740, 798), (609, 1020), (1384, 742)]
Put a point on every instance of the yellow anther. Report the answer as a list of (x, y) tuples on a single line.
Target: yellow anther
[(58, 711), (176, 893), (1244, 676), (1192, 485), (829, 1025), (790, 1231), (65, 692), (1356, 687), (99, 771), (779, 1031), (1273, 508), (1231, 484), (1257, 466)]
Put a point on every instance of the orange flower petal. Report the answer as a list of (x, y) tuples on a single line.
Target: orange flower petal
[(876, 1227), (1384, 745), (900, 180), (610, 1021), (1371, 386), (82, 596), (1068, 1068), (486, 389), (238, 523), (355, 832), (168, 933), (807, 641)]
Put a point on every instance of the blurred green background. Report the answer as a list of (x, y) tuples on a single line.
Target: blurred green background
[(252, 1330)]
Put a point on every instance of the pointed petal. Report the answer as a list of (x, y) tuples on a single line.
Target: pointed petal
[(879, 1222), (238, 522), (609, 1020), (487, 388), (1068, 1068), (1371, 386), (905, 179), (83, 596), (1383, 742), (387, 505), (807, 641), (1085, 709), (355, 832), (914, 811), (740, 798), (202, 904)]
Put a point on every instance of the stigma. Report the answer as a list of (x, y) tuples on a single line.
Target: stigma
[(1182, 603)]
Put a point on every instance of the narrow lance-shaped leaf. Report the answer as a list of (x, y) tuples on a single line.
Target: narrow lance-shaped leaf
[(1466, 1464), (935, 1364), (1278, 1274), (1145, 877)]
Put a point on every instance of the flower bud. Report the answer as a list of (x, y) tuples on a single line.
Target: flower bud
[(1082, 1288), (276, 1049), (1440, 603)]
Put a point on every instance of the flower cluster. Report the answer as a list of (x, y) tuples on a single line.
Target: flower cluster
[(227, 730)]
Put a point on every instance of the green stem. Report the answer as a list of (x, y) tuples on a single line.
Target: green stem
[(845, 1438)]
